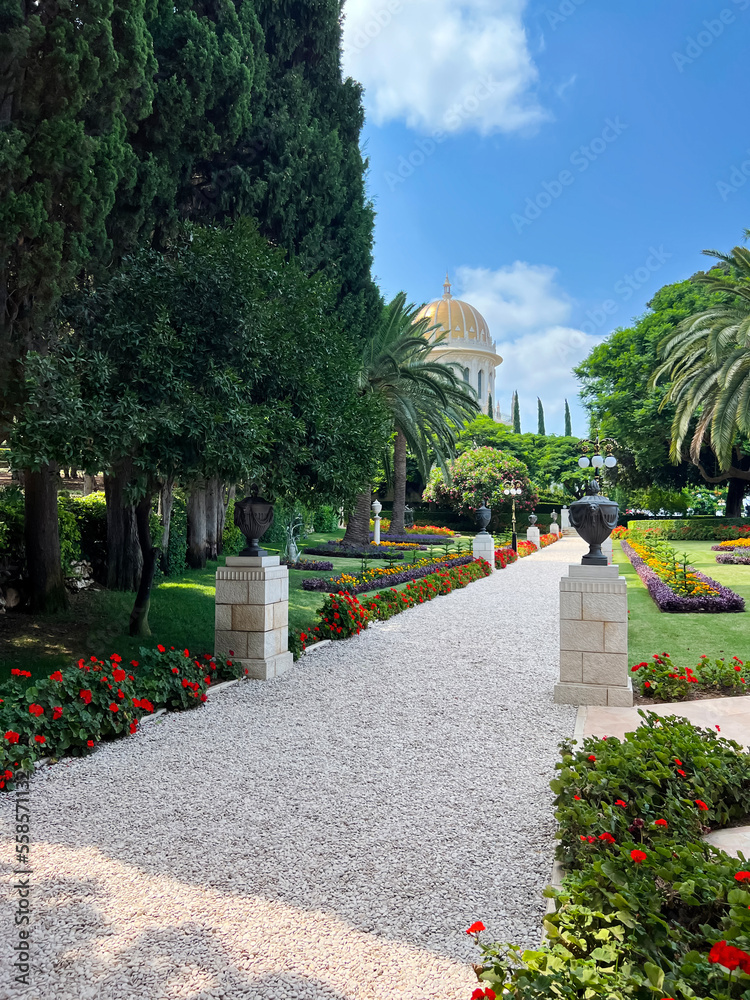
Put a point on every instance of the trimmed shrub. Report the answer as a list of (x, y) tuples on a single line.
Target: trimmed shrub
[(325, 519), (693, 529)]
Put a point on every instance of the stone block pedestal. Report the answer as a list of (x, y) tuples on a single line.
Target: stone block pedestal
[(594, 638), (484, 548), (252, 614), (533, 535)]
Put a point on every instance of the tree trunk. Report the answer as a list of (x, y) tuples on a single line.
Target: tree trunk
[(139, 614), (358, 526), (223, 507), (399, 484), (212, 518), (42, 539), (735, 496), (89, 484), (196, 525), (166, 502), (124, 559)]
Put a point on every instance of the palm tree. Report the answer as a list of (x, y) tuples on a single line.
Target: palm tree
[(426, 400), (707, 359)]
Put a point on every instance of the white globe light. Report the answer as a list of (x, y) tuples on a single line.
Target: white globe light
[(583, 462), (506, 492), (610, 461), (597, 461)]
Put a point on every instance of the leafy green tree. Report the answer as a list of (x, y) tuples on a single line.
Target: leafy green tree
[(516, 415), (619, 396), (707, 360), (480, 475), (215, 359), (540, 417), (568, 424), (427, 402)]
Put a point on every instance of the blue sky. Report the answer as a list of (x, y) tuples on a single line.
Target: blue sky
[(563, 160)]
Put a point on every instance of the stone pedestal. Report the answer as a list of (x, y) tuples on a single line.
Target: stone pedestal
[(594, 638), (554, 528), (564, 518), (533, 535), (376, 531), (252, 614), (484, 548)]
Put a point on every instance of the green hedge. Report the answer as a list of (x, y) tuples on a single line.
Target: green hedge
[(696, 529)]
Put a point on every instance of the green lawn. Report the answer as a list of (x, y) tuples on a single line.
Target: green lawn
[(686, 637), (181, 615)]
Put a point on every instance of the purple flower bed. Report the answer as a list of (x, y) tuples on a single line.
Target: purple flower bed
[(666, 599), (733, 558), (391, 580), (311, 565), (339, 552), (418, 539)]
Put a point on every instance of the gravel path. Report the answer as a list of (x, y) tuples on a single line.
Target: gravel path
[(328, 835)]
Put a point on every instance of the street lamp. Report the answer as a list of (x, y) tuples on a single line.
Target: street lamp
[(515, 489), (598, 460)]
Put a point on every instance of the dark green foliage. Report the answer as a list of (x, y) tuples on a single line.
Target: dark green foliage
[(233, 541), (490, 407), (177, 548), (540, 417), (326, 519), (568, 424), (516, 415), (12, 520), (692, 528)]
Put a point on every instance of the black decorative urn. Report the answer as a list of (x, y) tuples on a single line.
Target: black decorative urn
[(533, 519), (594, 517), (253, 516), (482, 517)]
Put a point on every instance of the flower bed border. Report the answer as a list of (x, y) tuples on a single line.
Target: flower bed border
[(405, 576), (732, 558), (727, 602)]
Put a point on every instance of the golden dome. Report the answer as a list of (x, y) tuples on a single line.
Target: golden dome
[(465, 326)]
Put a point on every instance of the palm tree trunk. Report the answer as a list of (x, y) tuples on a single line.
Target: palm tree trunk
[(358, 526), (399, 484)]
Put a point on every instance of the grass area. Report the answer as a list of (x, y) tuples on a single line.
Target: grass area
[(687, 637), (181, 615)]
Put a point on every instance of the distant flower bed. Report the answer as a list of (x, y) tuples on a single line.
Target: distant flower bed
[(620, 532), (545, 540), (734, 558), (376, 577), (707, 596), (311, 565), (417, 529), (526, 549), (661, 678), (338, 551), (504, 556), (76, 707), (415, 537), (342, 615), (732, 545)]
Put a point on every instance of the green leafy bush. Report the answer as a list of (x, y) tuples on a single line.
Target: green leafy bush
[(69, 712), (325, 519), (233, 540), (647, 908), (11, 524), (176, 555), (661, 678), (692, 529)]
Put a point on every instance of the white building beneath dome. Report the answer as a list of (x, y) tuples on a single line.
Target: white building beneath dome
[(468, 344)]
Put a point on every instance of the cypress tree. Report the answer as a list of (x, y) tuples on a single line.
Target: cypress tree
[(490, 407), (540, 417), (568, 425), (516, 414)]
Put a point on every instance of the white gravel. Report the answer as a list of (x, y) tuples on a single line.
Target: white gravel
[(329, 835)]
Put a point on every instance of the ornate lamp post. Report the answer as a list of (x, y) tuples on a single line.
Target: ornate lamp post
[(598, 461), (514, 489)]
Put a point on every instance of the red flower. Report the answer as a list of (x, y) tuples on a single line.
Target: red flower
[(85, 695), (118, 675), (638, 856), (161, 648), (36, 710), (8, 775), (185, 682), (133, 727), (678, 761), (718, 728), (93, 659), (11, 737), (113, 707), (115, 658), (743, 876), (81, 664), (647, 684), (231, 652), (592, 757), (40, 739), (57, 712), (476, 928), (89, 743), (729, 956), (681, 773), (186, 653), (175, 670), (701, 805), (203, 697), (577, 798), (19, 673), (57, 676), (660, 822), (607, 837), (133, 663), (619, 802)]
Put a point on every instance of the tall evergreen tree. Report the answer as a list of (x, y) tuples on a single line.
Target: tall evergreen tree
[(540, 417), (568, 424), (516, 414), (490, 407)]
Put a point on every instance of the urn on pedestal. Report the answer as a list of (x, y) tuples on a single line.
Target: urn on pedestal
[(594, 517), (482, 517), (253, 516)]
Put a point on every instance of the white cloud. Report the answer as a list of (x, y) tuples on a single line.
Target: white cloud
[(528, 316), (443, 64)]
